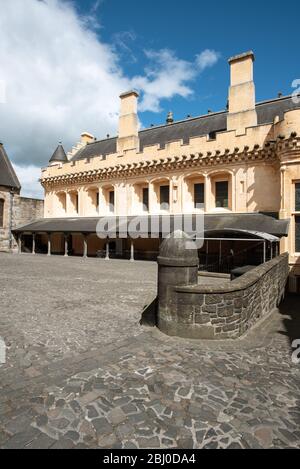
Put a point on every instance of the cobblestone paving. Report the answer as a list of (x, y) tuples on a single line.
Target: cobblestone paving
[(83, 375)]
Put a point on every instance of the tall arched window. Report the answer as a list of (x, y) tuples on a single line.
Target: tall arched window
[(1, 213)]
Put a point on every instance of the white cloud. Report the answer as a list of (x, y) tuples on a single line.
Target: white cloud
[(166, 77), (206, 59), (29, 177), (61, 80)]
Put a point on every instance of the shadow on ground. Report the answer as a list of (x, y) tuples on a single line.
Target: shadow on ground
[(290, 311), (149, 315)]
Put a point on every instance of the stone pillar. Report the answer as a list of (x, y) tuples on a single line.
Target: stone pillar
[(132, 251), (99, 201), (68, 204), (178, 264), (81, 202), (107, 251), (283, 212), (66, 245), (49, 244), (33, 243), (207, 197), (20, 243), (152, 199), (85, 246), (233, 193), (265, 253)]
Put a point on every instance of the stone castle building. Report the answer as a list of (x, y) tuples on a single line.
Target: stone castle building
[(14, 209), (240, 166)]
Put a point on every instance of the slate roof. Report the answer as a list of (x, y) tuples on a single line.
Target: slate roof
[(193, 127), (59, 155), (8, 177), (249, 222)]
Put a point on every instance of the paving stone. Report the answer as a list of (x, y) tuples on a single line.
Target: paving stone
[(107, 441), (129, 445), (148, 443), (41, 420), (242, 394), (61, 424), (102, 426), (74, 436), (63, 443), (20, 440), (116, 416), (92, 412), (125, 430), (185, 443), (41, 442)]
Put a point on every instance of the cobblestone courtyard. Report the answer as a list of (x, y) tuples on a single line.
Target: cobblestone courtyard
[(82, 373)]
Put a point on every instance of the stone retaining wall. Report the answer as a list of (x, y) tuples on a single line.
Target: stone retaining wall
[(228, 311)]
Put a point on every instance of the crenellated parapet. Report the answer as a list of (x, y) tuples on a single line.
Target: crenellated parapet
[(266, 152)]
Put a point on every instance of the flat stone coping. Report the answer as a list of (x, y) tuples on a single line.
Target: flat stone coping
[(243, 282)]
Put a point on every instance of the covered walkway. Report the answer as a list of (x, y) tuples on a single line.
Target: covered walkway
[(224, 237)]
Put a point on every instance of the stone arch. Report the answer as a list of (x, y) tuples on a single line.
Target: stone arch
[(221, 195), (140, 197), (193, 192), (161, 194), (73, 201), (107, 198), (92, 199), (61, 203)]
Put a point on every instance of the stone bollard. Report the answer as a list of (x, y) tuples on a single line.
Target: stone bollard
[(178, 264)]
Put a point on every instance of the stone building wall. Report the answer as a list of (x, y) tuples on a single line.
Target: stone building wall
[(227, 312), (24, 210), (4, 230)]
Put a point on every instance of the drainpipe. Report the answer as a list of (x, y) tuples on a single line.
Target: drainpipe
[(11, 207)]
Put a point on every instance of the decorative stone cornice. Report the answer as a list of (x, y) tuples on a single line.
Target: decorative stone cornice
[(269, 152)]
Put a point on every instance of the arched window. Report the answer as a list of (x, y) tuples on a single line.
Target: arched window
[(1, 213)]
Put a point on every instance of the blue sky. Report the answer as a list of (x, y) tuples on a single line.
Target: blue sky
[(270, 29), (72, 59)]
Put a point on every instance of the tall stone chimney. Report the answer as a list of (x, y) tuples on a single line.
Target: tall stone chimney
[(86, 138), (128, 138), (242, 112)]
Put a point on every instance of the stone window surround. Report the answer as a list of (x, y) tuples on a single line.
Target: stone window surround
[(297, 221), (297, 196)]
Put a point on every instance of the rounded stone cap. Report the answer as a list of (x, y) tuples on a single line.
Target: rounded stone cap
[(178, 249)]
